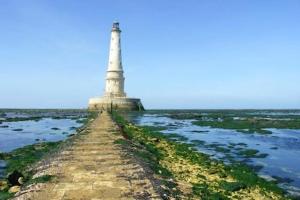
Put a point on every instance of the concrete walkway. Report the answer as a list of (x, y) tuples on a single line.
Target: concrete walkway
[(94, 167)]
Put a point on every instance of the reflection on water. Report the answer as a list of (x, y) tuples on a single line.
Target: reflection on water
[(280, 150)]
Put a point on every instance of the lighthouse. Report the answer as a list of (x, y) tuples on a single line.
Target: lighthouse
[(114, 86), (114, 96)]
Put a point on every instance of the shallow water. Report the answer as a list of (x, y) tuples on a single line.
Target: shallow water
[(17, 134), (2, 167), (31, 132), (282, 146)]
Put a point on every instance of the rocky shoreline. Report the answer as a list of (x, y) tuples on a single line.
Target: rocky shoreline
[(189, 174)]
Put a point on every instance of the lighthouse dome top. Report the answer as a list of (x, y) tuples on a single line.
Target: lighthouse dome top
[(115, 26)]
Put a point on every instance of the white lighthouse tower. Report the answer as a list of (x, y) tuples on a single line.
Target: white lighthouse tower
[(114, 95), (114, 86)]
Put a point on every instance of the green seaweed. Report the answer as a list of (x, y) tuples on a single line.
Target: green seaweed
[(232, 186), (245, 177), (250, 124), (175, 136), (198, 142), (40, 179), (4, 194), (203, 191), (248, 153), (21, 158), (17, 119), (155, 128)]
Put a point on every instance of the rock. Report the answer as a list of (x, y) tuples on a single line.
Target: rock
[(2, 156), (18, 129), (21, 180), (156, 140), (14, 189), (13, 178), (165, 196), (72, 134), (282, 179), (3, 185)]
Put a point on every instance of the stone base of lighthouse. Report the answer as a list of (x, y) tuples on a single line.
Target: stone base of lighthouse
[(118, 103)]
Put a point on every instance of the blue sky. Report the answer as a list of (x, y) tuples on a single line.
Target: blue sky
[(176, 54)]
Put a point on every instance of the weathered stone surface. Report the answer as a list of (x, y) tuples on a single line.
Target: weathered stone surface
[(94, 167), (120, 103), (14, 189)]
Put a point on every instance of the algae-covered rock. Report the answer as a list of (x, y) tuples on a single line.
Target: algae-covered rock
[(14, 189), (3, 185), (13, 178)]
